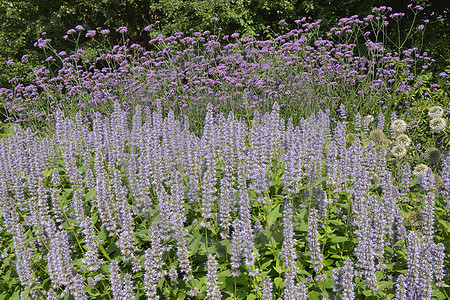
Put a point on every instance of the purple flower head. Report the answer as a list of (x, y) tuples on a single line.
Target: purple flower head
[(421, 27), (65, 36), (79, 28), (396, 15), (104, 31), (10, 62), (42, 43), (147, 28), (213, 290), (122, 29), (71, 31), (214, 19), (91, 33), (25, 58)]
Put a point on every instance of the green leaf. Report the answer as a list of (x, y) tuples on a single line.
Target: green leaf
[(273, 215), (328, 283), (15, 296), (278, 282), (303, 227), (382, 285), (321, 180), (444, 224), (195, 245), (102, 235), (251, 297), (328, 262), (89, 195), (314, 295), (339, 239), (47, 173)]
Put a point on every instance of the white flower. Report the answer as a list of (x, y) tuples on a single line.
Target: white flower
[(438, 124), (369, 119), (403, 139), (435, 112), (398, 151), (398, 126), (420, 170)]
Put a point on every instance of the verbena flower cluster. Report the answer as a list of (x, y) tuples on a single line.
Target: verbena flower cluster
[(147, 208), (299, 70)]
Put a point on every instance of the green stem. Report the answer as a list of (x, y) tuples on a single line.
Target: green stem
[(72, 228), (104, 253)]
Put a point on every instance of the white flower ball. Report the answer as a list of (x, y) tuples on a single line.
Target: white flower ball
[(435, 112), (398, 126), (438, 124), (403, 139), (398, 151), (420, 170)]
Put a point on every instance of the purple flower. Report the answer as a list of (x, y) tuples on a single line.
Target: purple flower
[(235, 35), (127, 290), (114, 279), (10, 62), (60, 265), (302, 291), (70, 31), (443, 74), (91, 33), (236, 246), (212, 288), (25, 58), (421, 27), (214, 19), (122, 29), (313, 242), (288, 254), (104, 31), (400, 285), (79, 28), (42, 43), (147, 28), (91, 258), (153, 264), (76, 288), (267, 289), (343, 280)]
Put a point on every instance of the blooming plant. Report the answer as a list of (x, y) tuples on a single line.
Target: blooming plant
[(203, 166), (149, 210), (303, 70)]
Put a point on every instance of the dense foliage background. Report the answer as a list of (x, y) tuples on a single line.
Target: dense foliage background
[(22, 21)]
